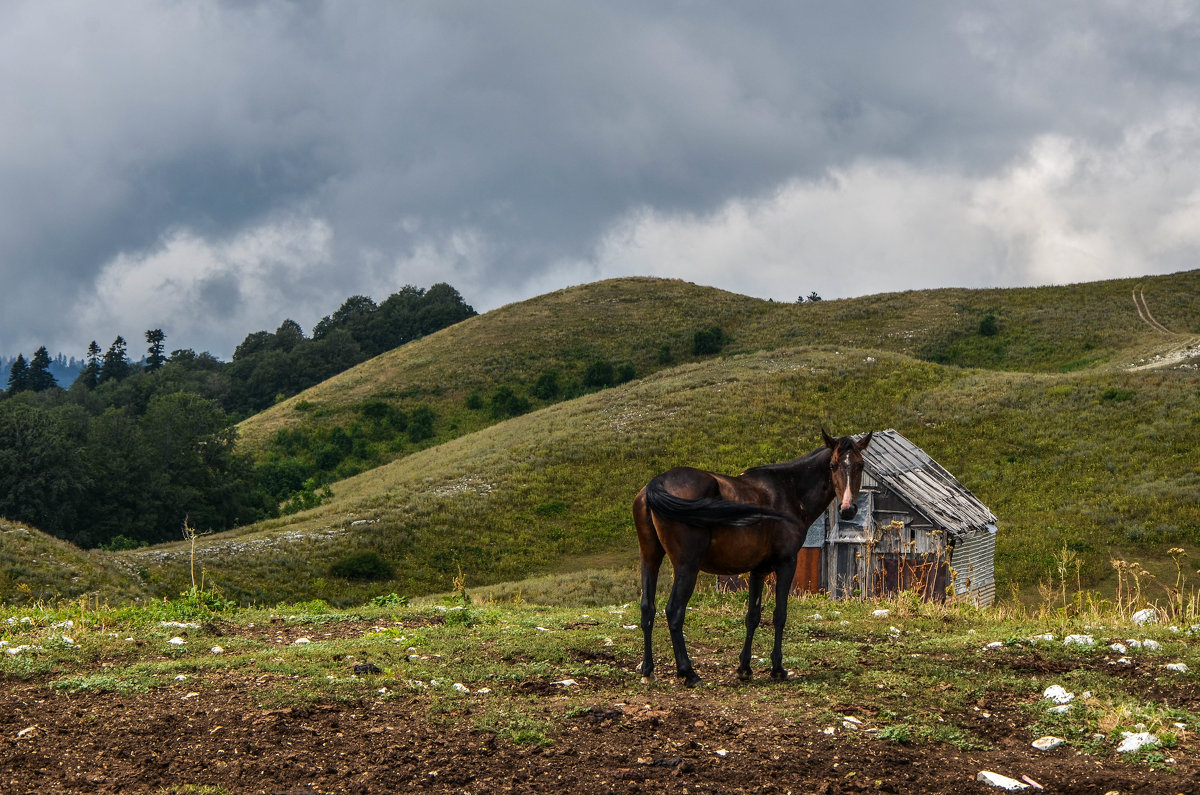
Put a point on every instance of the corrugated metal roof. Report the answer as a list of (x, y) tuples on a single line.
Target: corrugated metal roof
[(909, 471)]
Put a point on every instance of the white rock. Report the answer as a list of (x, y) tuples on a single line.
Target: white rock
[(1147, 616), (1177, 667), (997, 780), (1136, 742), (1151, 645), (881, 613), (177, 641), (1048, 743), (1048, 636), (996, 644), (1058, 694), (217, 650), (566, 683), (483, 691), (300, 641), (1060, 709), (1082, 640), (1119, 648), (816, 617), (460, 687)]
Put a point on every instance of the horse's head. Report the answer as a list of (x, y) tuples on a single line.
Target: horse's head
[(845, 470)]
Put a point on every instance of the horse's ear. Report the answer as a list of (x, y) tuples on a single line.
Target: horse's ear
[(863, 442), (830, 442)]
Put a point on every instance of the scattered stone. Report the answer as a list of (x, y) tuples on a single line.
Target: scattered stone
[(1060, 709), (996, 644), (177, 641), (997, 780), (1058, 694), (300, 641), (366, 669), (1082, 640), (1147, 616), (483, 691), (461, 688), (721, 752), (28, 731), (1048, 743), (1119, 648), (1136, 741), (217, 650), (881, 613), (1151, 645), (566, 683), (1180, 668)]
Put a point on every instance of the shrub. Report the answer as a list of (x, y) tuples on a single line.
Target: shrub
[(507, 403), (988, 326), (366, 565), (600, 373), (708, 341), (546, 386)]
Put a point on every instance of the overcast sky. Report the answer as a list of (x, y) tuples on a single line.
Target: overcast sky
[(213, 168)]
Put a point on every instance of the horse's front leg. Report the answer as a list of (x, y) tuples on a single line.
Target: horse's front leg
[(753, 617), (783, 589), (681, 592)]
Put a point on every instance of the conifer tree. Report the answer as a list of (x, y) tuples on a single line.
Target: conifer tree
[(157, 356), (39, 378), (18, 375), (115, 365), (90, 374)]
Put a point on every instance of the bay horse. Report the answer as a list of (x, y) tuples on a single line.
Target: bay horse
[(754, 522)]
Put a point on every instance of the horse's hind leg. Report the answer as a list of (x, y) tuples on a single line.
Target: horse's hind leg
[(681, 592), (753, 617), (652, 556), (650, 566)]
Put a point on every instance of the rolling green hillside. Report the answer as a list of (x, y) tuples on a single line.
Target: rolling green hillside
[(36, 567), (1032, 397), (1101, 462)]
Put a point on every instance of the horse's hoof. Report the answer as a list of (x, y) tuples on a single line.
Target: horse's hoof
[(780, 675), (648, 679), (744, 674), (693, 681)]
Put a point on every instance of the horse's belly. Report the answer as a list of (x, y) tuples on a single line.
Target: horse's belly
[(738, 550)]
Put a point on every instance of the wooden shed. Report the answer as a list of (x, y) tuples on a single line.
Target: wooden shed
[(917, 527)]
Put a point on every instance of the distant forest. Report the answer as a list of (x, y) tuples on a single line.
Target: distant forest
[(133, 449)]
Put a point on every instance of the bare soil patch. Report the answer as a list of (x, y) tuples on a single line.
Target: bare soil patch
[(215, 733)]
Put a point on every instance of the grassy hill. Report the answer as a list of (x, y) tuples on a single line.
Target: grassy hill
[(37, 567), (1029, 396), (1100, 462)]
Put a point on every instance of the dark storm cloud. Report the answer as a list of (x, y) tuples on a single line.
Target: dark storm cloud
[(176, 165)]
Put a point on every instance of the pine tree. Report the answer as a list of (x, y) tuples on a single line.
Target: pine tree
[(157, 356), (18, 375), (115, 365), (90, 374), (39, 378)]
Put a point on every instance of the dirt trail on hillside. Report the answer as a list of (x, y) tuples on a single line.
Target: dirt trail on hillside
[(213, 736), (1174, 355)]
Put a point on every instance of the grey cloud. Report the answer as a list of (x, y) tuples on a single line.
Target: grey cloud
[(529, 128)]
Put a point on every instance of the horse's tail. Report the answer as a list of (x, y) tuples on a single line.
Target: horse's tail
[(707, 511)]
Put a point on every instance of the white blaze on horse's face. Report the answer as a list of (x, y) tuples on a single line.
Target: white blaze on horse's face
[(847, 478)]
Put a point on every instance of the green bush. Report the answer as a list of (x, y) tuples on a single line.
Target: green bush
[(600, 373), (708, 341), (367, 565)]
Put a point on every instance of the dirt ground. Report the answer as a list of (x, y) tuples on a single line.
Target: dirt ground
[(195, 738)]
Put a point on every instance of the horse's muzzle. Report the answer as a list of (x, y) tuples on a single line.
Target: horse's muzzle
[(849, 512)]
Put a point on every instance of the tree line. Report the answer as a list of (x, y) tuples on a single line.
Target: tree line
[(131, 450)]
